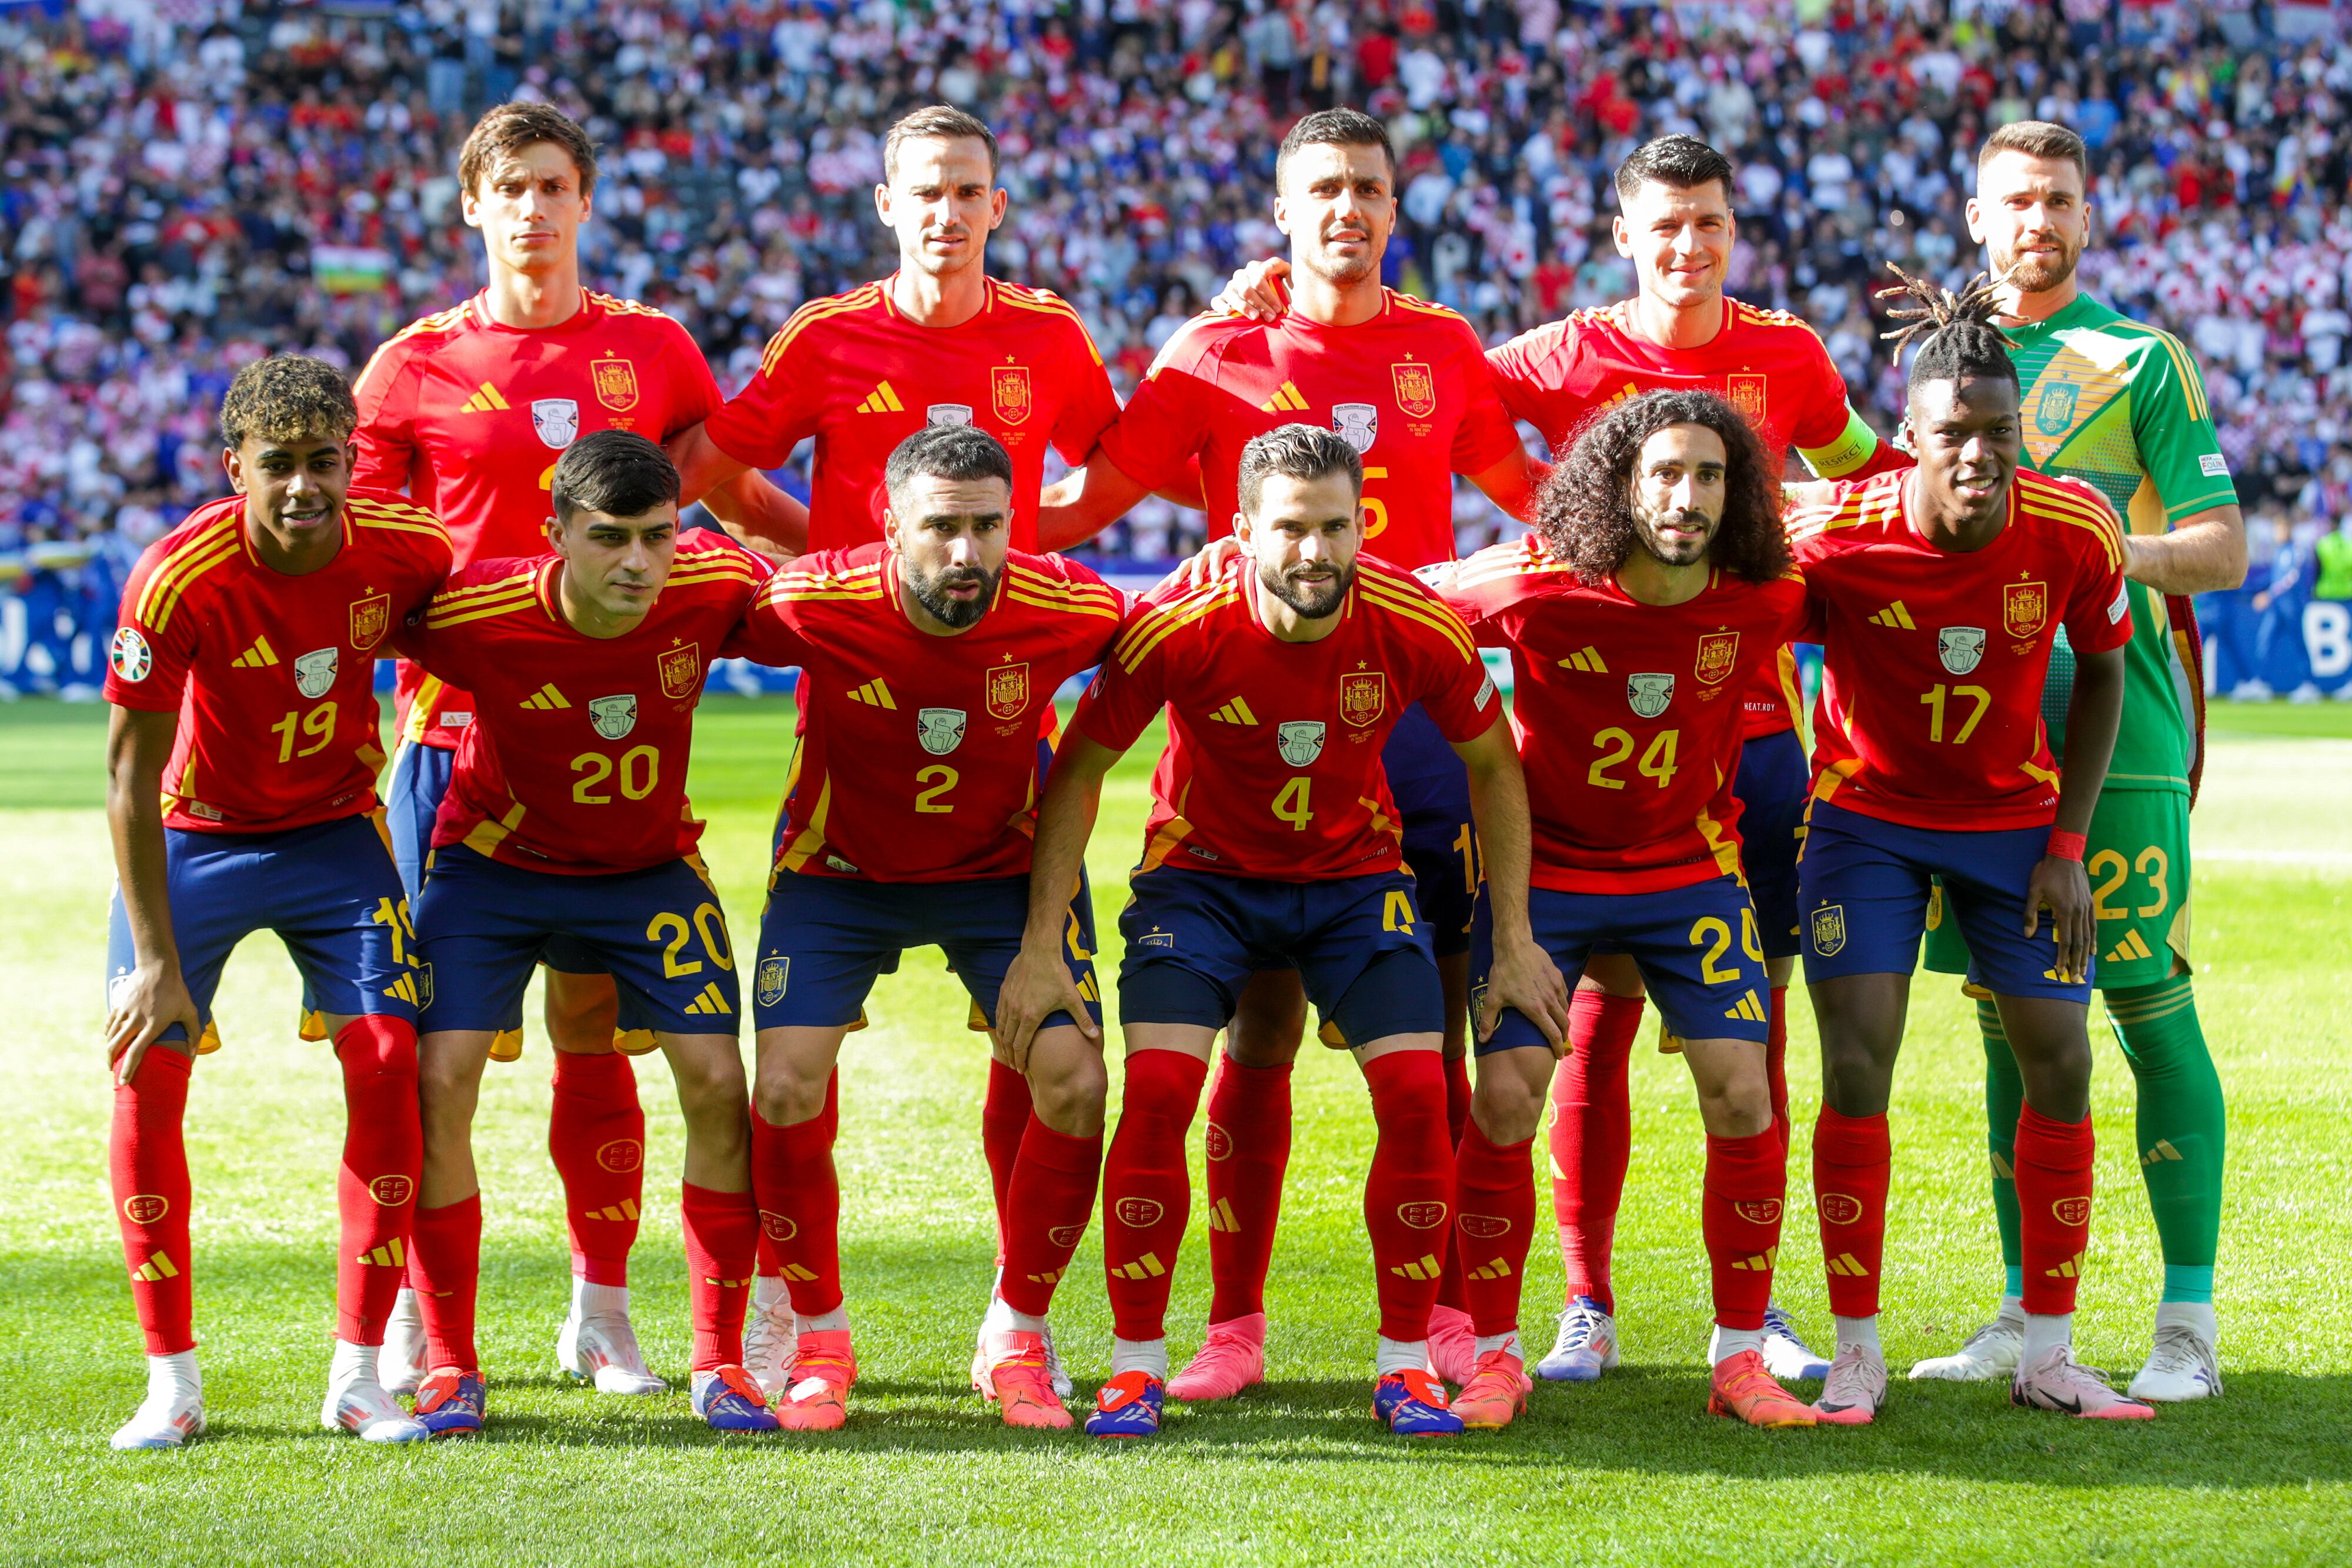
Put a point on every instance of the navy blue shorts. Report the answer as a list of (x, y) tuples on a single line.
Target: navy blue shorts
[(328, 891), (1696, 947), (1773, 783), (1432, 790), (823, 940), (1194, 938), (1864, 889), (658, 932)]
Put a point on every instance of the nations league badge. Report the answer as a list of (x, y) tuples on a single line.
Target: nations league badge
[(940, 730), (1301, 740), (1358, 425), (614, 716), (1649, 695), (557, 420), (314, 673), (1960, 647)]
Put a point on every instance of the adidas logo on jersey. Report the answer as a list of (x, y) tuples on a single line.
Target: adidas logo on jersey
[(260, 656), (486, 400), (1894, 615), (1587, 659), (875, 693), (882, 400), (2132, 946), (1287, 398), (547, 699), (1234, 712), (711, 1001), (1750, 1009)]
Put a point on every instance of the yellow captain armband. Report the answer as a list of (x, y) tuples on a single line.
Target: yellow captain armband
[(1848, 451)]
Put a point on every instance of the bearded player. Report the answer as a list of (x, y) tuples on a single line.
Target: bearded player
[(1936, 595), (567, 819), (937, 342), (1273, 838), (1655, 586), (907, 823), (241, 791), (1404, 383), (2120, 407), (467, 409)]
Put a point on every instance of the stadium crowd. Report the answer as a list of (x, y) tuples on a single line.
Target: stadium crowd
[(186, 184)]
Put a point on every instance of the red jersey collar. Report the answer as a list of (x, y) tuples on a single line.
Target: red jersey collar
[(988, 297), (477, 311)]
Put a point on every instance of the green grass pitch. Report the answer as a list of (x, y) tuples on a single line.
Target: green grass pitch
[(1632, 1470)]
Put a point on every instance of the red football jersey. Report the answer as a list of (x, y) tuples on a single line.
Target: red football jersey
[(919, 754), (469, 417), (856, 374), (1627, 716), (1272, 768), (576, 760), (1767, 364), (273, 676), (1409, 388), (1931, 702)]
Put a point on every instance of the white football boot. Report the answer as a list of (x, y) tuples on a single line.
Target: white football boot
[(174, 1410), (357, 1403), (597, 1345), (1991, 1351), (2185, 1364), (400, 1365)]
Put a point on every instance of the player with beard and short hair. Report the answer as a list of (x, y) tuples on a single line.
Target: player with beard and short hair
[(467, 409), (1936, 595), (1273, 839), (241, 771), (1654, 586), (1405, 384), (929, 663), (2120, 406)]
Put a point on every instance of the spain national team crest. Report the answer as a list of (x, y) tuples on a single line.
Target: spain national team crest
[(2024, 608), (557, 420), (391, 1190), (775, 973), (421, 976), (1009, 393), (1829, 929), (1425, 1216), (616, 381), (370, 619), (1746, 393), (2053, 407), (2073, 1211), (1417, 389), (1007, 691), (1362, 697), (1649, 695), (681, 671), (1485, 1226), (614, 716), (1717, 653), (1759, 1211)]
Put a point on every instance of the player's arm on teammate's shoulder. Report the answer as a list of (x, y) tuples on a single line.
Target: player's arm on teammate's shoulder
[(1512, 483), (753, 511), (2203, 552), (155, 995), (1523, 977), (1085, 501), (1038, 983), (2058, 883), (2180, 452), (1258, 290)]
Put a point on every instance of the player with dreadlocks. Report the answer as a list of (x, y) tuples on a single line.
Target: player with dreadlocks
[(1656, 587), (1937, 594), (2118, 405)]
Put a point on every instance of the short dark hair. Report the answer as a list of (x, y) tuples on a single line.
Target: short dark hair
[(1296, 452), (616, 472), (1585, 512), (944, 122), (1335, 128), (947, 452), (1682, 162), (287, 397), (511, 127), (2037, 138)]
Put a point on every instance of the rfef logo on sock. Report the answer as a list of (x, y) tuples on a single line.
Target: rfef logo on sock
[(2071, 1210), (1838, 1209)]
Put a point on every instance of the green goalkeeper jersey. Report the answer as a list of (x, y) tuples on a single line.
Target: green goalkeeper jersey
[(2119, 405)]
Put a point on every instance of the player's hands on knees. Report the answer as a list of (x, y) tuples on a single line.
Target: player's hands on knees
[(1524, 976), (2064, 888), (1256, 291), (1036, 987), (151, 1000)]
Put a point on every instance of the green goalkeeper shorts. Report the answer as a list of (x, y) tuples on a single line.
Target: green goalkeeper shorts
[(2139, 865)]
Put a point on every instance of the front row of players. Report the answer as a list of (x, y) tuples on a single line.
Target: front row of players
[(1659, 577)]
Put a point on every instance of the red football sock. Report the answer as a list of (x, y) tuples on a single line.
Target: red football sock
[(375, 1190), (2054, 1199), (722, 1233), (1739, 1215), (597, 1135), (1593, 1137), (1409, 1193), (1004, 1123), (1495, 1184), (1051, 1194), (1453, 1290), (1147, 1195), (799, 1209), (1249, 1150), (770, 1266), (1775, 1066), (446, 1253), (1851, 1165), (147, 1160)]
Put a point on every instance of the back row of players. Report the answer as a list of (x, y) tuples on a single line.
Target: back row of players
[(1638, 816)]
